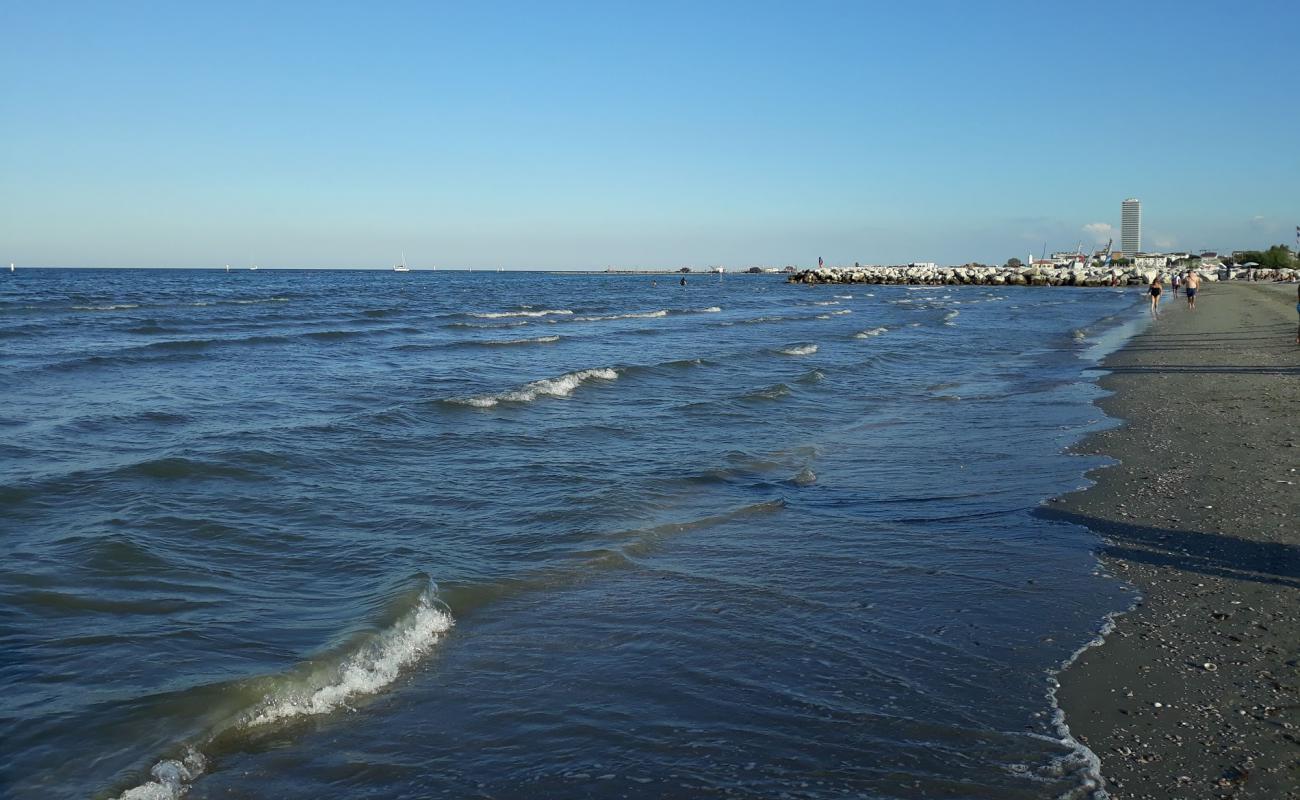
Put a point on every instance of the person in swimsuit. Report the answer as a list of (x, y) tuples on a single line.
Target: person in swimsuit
[(1154, 291), (1193, 283)]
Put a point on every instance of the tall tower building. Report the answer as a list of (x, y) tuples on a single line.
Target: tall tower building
[(1130, 228)]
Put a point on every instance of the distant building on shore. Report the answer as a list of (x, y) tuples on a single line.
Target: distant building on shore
[(1151, 260), (1130, 227)]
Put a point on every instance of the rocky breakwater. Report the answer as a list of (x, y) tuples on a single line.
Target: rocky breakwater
[(1026, 276)]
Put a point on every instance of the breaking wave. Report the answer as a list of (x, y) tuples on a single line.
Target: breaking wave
[(548, 312), (509, 342), (634, 315), (798, 350), (366, 671), (562, 386), (867, 334), (318, 687)]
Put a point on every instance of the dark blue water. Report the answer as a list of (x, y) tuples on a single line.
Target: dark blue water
[(369, 534)]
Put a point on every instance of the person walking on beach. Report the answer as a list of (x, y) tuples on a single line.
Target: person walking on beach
[(1193, 283), (1154, 290), (1173, 282)]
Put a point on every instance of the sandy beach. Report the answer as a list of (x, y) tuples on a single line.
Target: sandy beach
[(1196, 693)]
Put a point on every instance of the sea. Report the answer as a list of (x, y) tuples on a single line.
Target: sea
[(370, 534)]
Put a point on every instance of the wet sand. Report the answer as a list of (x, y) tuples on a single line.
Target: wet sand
[(1196, 693)]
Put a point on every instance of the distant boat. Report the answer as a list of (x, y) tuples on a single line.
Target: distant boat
[(252, 269), (402, 266), (227, 268), (11, 266)]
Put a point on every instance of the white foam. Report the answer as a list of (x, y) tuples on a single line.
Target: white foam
[(867, 334), (365, 672), (537, 340), (799, 350), (112, 307), (841, 312), (710, 310), (827, 303), (844, 297), (171, 778), (1081, 759), (949, 317), (543, 313), (563, 386), (635, 315)]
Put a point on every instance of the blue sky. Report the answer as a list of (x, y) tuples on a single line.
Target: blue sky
[(554, 135)]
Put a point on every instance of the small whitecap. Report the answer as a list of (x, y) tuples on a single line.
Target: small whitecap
[(798, 350)]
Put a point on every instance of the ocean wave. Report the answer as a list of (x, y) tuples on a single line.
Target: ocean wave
[(255, 300), (870, 332), (366, 671), (949, 317), (774, 392), (509, 342), (710, 310), (317, 687), (634, 315), (335, 335), (844, 296), (548, 312), (798, 350), (561, 386), (151, 327), (109, 307), (181, 468), (826, 303), (489, 325)]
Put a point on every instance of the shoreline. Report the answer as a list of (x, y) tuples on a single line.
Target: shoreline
[(1195, 692)]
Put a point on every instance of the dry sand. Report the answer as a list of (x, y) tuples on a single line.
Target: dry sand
[(1196, 694)]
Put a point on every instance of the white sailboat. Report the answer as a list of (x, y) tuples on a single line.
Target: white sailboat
[(11, 266), (402, 266)]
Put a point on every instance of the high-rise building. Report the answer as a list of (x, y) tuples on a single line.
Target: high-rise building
[(1130, 227)]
